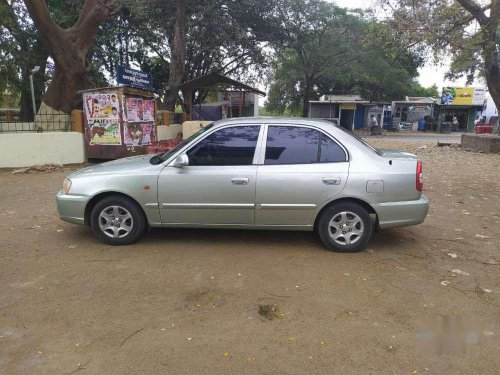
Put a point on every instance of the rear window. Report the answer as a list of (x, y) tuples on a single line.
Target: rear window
[(300, 145), (366, 144)]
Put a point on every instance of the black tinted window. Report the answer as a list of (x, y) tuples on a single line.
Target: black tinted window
[(297, 145), (330, 151), (230, 146), (291, 145)]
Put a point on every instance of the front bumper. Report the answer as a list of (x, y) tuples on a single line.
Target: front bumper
[(400, 214), (72, 207)]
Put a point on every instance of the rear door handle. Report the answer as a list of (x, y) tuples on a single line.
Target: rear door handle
[(239, 181), (331, 180)]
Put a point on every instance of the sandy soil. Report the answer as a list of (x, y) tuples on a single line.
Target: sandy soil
[(188, 301)]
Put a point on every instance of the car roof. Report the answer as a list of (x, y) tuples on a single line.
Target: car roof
[(327, 125)]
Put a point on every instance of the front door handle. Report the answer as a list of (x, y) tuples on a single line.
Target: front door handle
[(239, 181), (331, 180)]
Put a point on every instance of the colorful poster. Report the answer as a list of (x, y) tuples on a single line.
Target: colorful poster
[(139, 134), (101, 106), (149, 109), (135, 109), (463, 96), (105, 132)]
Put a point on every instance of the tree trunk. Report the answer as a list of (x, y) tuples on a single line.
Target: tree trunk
[(178, 56), (306, 97), (38, 57), (69, 49), (491, 68)]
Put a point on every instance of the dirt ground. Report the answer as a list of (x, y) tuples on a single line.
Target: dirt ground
[(188, 301)]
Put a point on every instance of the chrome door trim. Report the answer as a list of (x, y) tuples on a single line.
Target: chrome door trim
[(281, 206), (208, 205)]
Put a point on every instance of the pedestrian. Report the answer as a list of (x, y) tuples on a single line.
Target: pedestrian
[(456, 124), (374, 128)]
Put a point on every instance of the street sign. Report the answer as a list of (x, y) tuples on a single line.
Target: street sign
[(133, 78)]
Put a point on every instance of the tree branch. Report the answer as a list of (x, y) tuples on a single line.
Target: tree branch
[(475, 9), (41, 18)]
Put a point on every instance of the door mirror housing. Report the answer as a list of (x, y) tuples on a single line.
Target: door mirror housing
[(181, 161)]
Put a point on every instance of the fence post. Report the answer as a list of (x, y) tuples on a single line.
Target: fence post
[(77, 121)]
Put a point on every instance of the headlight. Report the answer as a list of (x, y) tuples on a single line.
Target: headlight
[(66, 186)]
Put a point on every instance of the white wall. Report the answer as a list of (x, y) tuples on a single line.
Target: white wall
[(28, 149)]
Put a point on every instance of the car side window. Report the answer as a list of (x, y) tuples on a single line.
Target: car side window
[(229, 146), (330, 151), (300, 145)]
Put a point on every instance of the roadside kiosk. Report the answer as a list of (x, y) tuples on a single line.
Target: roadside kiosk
[(119, 122)]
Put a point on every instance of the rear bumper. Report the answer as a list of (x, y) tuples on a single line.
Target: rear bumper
[(400, 214), (72, 207)]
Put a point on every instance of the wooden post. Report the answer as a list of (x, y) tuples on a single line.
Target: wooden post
[(165, 118), (9, 116), (241, 105), (77, 121)]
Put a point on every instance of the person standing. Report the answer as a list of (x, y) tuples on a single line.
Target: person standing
[(374, 128), (456, 124)]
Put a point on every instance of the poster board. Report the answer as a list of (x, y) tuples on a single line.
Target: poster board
[(119, 122)]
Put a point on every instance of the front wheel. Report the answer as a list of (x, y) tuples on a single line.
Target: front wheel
[(345, 228), (117, 220)]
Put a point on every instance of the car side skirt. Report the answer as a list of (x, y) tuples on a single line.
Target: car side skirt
[(306, 228)]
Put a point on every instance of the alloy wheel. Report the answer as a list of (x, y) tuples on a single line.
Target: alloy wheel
[(115, 221), (346, 228)]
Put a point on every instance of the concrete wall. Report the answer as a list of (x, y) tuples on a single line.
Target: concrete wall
[(28, 149), (168, 132), (482, 143)]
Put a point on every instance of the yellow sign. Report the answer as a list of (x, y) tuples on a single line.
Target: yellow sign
[(463, 96), (348, 106)]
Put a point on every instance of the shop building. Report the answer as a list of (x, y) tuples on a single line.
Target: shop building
[(348, 111)]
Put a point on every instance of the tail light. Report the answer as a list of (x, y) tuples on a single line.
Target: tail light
[(419, 177)]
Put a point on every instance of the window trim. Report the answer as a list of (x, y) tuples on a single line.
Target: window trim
[(255, 155), (262, 159)]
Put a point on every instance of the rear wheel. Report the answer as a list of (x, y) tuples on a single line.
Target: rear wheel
[(117, 220), (345, 227)]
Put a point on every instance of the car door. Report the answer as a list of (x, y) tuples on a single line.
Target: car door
[(301, 168), (218, 185)]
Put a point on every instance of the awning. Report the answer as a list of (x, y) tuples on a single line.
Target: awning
[(216, 80)]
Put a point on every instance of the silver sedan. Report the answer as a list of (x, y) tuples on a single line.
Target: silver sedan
[(253, 173)]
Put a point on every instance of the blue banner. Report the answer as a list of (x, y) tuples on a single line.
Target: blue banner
[(134, 78)]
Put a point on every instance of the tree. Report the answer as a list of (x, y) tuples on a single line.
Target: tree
[(178, 56), (69, 48), (21, 49), (450, 27), (344, 53), (416, 89)]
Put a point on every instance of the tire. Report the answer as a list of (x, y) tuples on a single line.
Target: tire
[(345, 227), (117, 220)]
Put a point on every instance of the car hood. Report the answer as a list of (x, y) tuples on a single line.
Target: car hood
[(127, 165), (395, 154)]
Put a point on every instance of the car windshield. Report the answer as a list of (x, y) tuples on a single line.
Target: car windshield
[(168, 154), (366, 144)]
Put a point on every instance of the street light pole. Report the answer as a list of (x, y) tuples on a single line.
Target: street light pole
[(33, 71)]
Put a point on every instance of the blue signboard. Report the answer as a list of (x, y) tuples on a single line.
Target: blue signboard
[(134, 78)]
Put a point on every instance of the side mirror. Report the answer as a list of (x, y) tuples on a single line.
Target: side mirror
[(181, 161)]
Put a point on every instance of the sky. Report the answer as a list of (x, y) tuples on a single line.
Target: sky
[(429, 74)]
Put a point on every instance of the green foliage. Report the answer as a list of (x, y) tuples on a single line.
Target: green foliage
[(416, 89), (331, 50)]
